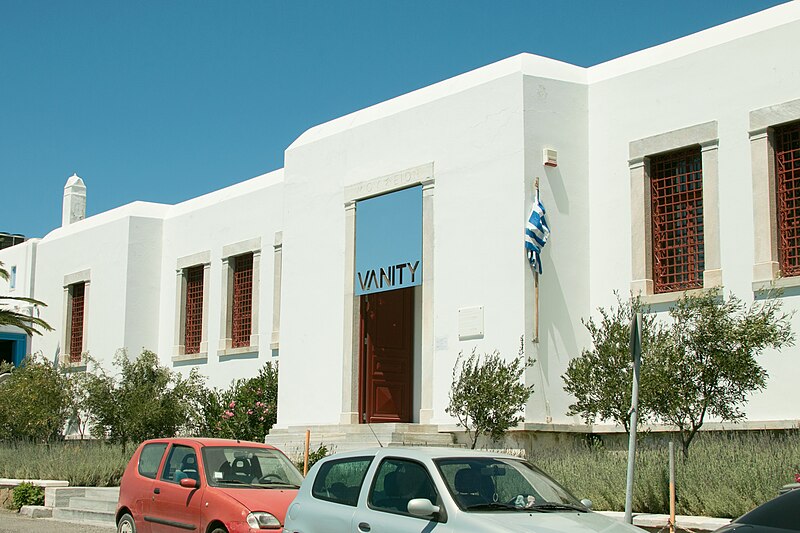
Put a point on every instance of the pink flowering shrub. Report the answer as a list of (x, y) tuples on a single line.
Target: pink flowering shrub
[(246, 410)]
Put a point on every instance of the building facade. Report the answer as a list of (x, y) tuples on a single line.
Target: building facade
[(675, 169)]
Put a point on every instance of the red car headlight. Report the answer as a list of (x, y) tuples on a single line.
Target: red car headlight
[(262, 520)]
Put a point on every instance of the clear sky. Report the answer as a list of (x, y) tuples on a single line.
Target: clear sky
[(167, 100)]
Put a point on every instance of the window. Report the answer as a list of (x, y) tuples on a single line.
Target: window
[(340, 481), (12, 281), (150, 459), (241, 266), (399, 481), (74, 318), (675, 224), (181, 463), (77, 294), (193, 312), (242, 306), (676, 198), (787, 170)]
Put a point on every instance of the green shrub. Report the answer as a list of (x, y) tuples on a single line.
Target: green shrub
[(726, 475), (313, 456), (35, 402), (27, 494), (145, 401), (247, 410), (82, 463), (487, 394)]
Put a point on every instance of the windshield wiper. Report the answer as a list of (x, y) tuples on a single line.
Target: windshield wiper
[(558, 507), (234, 481), (493, 506), (279, 484)]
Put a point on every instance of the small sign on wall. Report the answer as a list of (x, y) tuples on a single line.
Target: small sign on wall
[(470, 323)]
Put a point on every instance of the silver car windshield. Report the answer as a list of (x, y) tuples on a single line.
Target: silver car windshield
[(232, 466), (483, 484)]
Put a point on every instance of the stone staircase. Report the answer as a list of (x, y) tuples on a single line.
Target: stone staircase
[(88, 505), (341, 438)]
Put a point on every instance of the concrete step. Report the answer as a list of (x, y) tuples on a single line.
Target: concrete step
[(102, 493), (91, 504), (84, 515)]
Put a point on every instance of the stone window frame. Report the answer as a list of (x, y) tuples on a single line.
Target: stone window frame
[(706, 136), (182, 264), (766, 263), (230, 252), (70, 280), (420, 175), (277, 277)]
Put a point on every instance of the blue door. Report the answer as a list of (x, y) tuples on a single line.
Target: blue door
[(13, 347)]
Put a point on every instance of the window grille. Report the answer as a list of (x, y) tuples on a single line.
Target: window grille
[(787, 171), (76, 323), (242, 311), (193, 325), (676, 196)]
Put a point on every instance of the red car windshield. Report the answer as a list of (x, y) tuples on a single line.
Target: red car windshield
[(232, 466)]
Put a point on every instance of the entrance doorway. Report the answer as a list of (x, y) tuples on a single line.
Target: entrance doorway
[(387, 356)]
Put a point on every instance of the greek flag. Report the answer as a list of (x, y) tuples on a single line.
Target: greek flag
[(536, 233)]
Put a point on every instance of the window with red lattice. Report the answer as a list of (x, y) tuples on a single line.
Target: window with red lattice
[(676, 200), (193, 312), (786, 142), (242, 301), (77, 294)]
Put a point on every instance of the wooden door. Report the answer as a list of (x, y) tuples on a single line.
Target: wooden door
[(387, 341)]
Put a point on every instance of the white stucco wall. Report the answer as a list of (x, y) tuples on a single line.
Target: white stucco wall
[(248, 210), (723, 83)]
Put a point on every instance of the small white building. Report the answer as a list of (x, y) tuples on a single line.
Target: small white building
[(392, 240)]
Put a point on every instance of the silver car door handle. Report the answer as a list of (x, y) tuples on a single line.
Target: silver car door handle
[(363, 526)]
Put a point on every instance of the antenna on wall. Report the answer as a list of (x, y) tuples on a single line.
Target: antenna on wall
[(364, 418)]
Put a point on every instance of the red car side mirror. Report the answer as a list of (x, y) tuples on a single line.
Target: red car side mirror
[(189, 483)]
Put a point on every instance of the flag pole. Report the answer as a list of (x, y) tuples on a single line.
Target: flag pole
[(536, 284)]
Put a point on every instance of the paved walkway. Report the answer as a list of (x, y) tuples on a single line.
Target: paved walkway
[(11, 522)]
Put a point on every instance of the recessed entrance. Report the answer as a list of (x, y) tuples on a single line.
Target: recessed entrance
[(387, 356)]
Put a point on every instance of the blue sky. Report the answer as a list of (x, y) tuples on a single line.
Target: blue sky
[(166, 100)]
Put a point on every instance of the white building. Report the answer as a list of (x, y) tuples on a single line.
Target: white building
[(720, 108)]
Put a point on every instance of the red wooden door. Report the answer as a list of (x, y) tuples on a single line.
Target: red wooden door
[(387, 336)]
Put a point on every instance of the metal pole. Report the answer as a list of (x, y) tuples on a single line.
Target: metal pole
[(671, 487), (636, 352), (305, 460)]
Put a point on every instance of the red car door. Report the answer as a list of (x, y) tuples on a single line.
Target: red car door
[(175, 507)]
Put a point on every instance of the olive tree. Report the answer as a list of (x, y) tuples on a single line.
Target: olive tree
[(143, 401), (710, 367), (488, 394), (600, 378)]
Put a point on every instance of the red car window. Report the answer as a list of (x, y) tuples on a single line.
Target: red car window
[(150, 459)]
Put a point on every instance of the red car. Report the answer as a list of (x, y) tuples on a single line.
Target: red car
[(206, 486)]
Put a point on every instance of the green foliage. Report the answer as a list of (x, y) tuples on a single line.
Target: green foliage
[(34, 403), (247, 410), (601, 378), (321, 452), (710, 367), (487, 395), (703, 363), (6, 367), (10, 317), (83, 463), (144, 401), (726, 475), (27, 494)]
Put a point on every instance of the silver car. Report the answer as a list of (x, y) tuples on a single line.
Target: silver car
[(401, 490)]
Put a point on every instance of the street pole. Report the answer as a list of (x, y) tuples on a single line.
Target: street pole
[(636, 353)]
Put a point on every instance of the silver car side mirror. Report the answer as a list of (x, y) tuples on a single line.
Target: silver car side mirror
[(587, 503), (422, 507)]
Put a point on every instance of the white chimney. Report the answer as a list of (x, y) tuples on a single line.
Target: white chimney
[(74, 201)]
